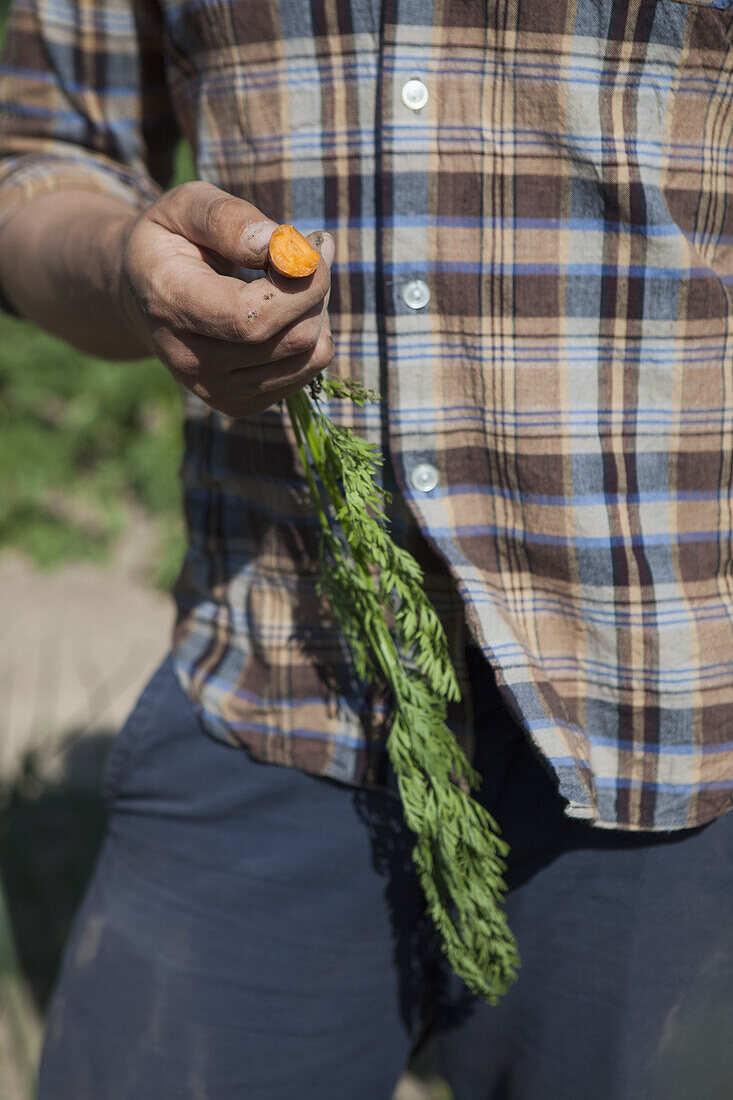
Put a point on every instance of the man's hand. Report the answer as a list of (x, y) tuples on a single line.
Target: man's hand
[(88, 268), (240, 346)]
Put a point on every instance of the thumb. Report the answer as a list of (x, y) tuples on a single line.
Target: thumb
[(222, 223)]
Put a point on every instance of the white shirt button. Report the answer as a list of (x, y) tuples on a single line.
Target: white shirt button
[(416, 294), (424, 477), (414, 94)]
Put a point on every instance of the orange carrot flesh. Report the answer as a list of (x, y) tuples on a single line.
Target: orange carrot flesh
[(291, 254)]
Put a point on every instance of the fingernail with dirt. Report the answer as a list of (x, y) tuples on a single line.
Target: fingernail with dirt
[(325, 244), (256, 238)]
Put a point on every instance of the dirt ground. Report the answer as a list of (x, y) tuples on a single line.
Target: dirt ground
[(77, 646)]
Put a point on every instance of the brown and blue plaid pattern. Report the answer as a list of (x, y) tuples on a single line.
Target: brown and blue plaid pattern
[(565, 193)]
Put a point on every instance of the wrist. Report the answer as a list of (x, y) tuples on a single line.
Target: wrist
[(112, 248)]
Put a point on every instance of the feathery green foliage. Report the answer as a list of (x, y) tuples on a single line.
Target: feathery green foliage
[(394, 635)]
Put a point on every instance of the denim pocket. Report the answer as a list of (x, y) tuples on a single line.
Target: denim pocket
[(121, 753)]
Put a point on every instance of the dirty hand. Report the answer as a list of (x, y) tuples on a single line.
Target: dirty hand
[(240, 346)]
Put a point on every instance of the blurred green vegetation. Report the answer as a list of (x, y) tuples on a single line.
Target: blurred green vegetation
[(82, 440)]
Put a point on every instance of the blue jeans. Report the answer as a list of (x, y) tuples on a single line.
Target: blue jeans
[(255, 933)]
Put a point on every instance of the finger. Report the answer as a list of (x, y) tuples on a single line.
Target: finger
[(231, 227), (198, 355), (249, 390), (214, 219), (264, 385), (324, 243), (187, 296)]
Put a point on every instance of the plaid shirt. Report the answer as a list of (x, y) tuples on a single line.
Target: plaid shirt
[(534, 268)]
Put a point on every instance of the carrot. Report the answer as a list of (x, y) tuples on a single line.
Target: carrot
[(291, 254)]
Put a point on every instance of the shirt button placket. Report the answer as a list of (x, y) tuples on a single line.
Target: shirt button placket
[(414, 94), (424, 477), (416, 294)]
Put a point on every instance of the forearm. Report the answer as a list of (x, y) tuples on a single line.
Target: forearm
[(60, 257)]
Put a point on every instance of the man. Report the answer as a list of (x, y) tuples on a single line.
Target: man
[(527, 212)]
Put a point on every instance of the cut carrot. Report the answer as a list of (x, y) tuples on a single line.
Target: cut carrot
[(291, 254)]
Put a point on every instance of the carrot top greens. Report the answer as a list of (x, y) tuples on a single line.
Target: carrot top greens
[(375, 591)]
